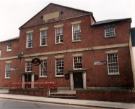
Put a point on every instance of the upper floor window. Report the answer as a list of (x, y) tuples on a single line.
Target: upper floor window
[(76, 32), (29, 40), (43, 37), (58, 35), (112, 64), (8, 70), (77, 62), (28, 66), (110, 31), (59, 65), (43, 69), (9, 46)]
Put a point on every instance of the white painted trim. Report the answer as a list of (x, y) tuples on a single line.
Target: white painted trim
[(84, 80), (30, 31), (70, 51), (112, 51), (8, 62), (28, 59), (44, 28), (71, 81), (76, 22), (32, 80), (43, 58), (58, 26), (77, 54), (59, 56)]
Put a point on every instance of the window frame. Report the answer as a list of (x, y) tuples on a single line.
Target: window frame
[(40, 69), (73, 37), (110, 31), (56, 73), (45, 38), (117, 62), (9, 47), (59, 35), (9, 71), (27, 39), (26, 66), (74, 62)]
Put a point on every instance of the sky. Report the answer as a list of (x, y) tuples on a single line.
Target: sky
[(14, 13)]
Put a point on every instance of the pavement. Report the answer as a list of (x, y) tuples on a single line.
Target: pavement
[(87, 103)]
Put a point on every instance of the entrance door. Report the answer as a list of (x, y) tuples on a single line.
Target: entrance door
[(78, 80), (27, 80)]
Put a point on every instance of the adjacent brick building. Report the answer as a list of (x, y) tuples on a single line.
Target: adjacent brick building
[(73, 51)]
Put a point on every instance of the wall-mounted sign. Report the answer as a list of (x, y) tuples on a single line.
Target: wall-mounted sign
[(99, 62)]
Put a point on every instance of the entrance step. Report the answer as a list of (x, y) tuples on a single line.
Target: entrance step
[(70, 94), (3, 90)]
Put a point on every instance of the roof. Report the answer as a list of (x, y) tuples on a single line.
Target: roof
[(133, 36), (15, 38), (53, 7), (109, 21)]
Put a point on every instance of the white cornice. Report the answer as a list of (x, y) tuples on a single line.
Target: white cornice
[(70, 51)]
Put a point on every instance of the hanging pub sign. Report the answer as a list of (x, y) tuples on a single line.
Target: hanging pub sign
[(36, 61)]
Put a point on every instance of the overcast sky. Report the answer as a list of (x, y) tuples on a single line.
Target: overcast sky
[(14, 13)]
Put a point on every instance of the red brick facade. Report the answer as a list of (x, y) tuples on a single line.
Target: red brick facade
[(92, 47)]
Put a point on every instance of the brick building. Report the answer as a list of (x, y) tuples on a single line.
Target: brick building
[(73, 51)]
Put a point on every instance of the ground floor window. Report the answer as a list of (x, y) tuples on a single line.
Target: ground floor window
[(59, 67), (43, 68), (77, 62), (8, 70), (112, 64), (28, 66)]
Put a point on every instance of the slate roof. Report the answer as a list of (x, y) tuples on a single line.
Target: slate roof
[(133, 36), (109, 21)]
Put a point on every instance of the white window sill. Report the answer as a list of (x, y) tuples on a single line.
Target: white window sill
[(43, 45), (115, 74), (59, 43), (8, 50), (76, 41), (59, 76), (42, 76), (7, 77)]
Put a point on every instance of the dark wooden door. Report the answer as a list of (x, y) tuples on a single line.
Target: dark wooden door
[(27, 80), (78, 80)]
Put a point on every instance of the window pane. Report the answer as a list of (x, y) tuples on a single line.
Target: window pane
[(76, 32), (59, 35), (78, 62), (59, 67), (112, 63)]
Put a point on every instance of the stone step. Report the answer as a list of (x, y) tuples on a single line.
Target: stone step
[(63, 94)]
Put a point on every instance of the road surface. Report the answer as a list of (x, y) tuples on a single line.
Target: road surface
[(17, 104)]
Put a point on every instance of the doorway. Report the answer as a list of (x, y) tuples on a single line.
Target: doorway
[(27, 80), (78, 80)]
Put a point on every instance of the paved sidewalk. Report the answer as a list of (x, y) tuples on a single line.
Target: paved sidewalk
[(87, 103)]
